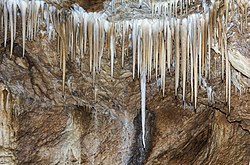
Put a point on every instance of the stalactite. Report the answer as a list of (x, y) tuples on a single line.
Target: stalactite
[(14, 18), (247, 5), (200, 48), (176, 9), (243, 13), (90, 42), (188, 51), (113, 5), (195, 55), (142, 57), (140, 3), (177, 55), (1, 15), (23, 5), (36, 9), (5, 12), (134, 41), (100, 45), (95, 48), (41, 13), (221, 39), (30, 20), (156, 47), (112, 47), (75, 29), (210, 37), (229, 88), (215, 23), (10, 11), (163, 64), (70, 34), (181, 7), (227, 72), (150, 52), (169, 46), (64, 52), (55, 19), (66, 33), (143, 106), (160, 41), (124, 31), (184, 55), (206, 43), (144, 40), (190, 43), (81, 34), (203, 42), (102, 42), (139, 50), (85, 29)]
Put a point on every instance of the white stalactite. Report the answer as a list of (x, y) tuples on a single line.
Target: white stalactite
[(190, 39), (140, 3), (15, 16), (23, 5), (143, 106), (5, 12), (90, 42), (199, 21), (85, 29), (124, 32), (184, 55), (229, 88), (169, 45), (203, 43), (112, 48), (81, 35), (210, 37), (177, 55), (10, 11), (195, 56), (96, 47), (134, 41)]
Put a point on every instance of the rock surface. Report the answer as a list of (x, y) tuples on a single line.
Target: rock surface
[(98, 122)]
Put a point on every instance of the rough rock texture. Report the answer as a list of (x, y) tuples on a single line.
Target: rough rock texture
[(99, 122)]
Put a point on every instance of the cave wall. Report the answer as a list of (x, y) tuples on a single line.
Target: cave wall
[(46, 128), (99, 122)]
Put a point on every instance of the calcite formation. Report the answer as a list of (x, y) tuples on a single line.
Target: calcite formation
[(157, 37), (8, 127)]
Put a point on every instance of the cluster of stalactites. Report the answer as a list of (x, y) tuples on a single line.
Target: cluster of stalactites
[(158, 44), (221, 19), (80, 33), (161, 44), (242, 7), (75, 29), (32, 14), (184, 43), (171, 7)]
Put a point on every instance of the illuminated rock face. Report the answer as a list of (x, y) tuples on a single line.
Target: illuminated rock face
[(78, 99), (7, 127)]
